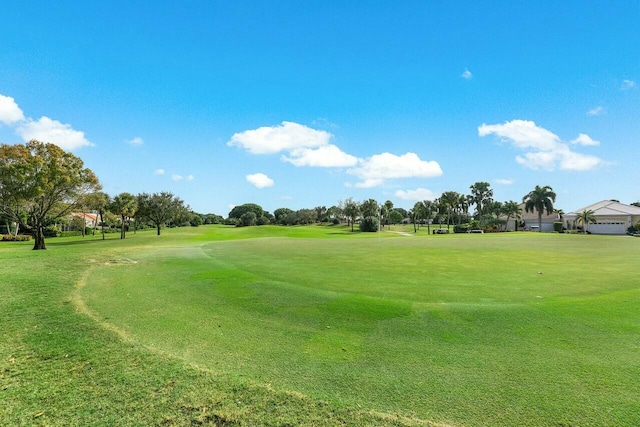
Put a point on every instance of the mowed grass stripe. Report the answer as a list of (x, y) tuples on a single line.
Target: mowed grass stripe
[(481, 329)]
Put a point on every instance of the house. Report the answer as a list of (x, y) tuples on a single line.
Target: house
[(529, 220), (612, 217), (90, 219)]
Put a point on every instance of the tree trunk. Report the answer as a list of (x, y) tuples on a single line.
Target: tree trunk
[(122, 232), (540, 221), (102, 224), (38, 235), (158, 229)]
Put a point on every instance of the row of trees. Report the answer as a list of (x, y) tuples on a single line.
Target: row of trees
[(41, 185), (451, 208)]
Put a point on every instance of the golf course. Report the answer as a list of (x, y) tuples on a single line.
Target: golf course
[(318, 325)]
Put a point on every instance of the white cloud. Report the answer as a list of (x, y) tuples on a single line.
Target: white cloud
[(159, 172), (579, 162), (48, 130), (596, 111), (416, 195), (584, 139), (501, 181), (10, 113), (190, 177), (260, 180), (380, 167), (467, 74), (136, 142), (177, 177), (543, 149), (523, 134), (274, 139), (628, 84), (325, 156)]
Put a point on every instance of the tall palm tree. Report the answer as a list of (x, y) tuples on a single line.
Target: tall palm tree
[(585, 217), (428, 208), (351, 210), (540, 199), (449, 201), (481, 196)]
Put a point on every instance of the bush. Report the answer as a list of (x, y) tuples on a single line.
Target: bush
[(231, 221), (52, 231), (369, 224), (335, 221), (263, 220), (14, 238), (462, 228), (557, 227)]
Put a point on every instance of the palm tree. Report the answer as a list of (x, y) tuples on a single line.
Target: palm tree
[(540, 199), (125, 205), (449, 201), (428, 208), (585, 217), (512, 210), (481, 195), (351, 210)]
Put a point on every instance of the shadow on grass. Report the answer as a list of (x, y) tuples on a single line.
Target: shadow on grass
[(79, 241)]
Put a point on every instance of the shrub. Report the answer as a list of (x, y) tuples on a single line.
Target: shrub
[(335, 221), (263, 220), (14, 238), (462, 228), (557, 227), (52, 231), (369, 224)]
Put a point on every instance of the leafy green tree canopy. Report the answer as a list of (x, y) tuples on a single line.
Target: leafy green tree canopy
[(240, 210), (160, 208), (41, 183)]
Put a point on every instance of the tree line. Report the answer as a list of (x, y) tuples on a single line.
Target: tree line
[(41, 184), (451, 208)]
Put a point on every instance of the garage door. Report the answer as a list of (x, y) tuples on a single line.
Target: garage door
[(608, 228)]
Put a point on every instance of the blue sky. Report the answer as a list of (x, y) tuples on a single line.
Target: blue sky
[(299, 104)]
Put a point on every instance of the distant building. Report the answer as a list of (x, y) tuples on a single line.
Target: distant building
[(612, 217), (529, 220), (91, 220)]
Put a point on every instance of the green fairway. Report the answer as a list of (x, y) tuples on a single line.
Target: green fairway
[(324, 326)]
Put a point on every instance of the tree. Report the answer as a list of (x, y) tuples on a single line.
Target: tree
[(369, 208), (428, 208), (247, 219), (512, 210), (351, 210), (281, 214), (238, 211), (41, 183), (395, 217), (98, 202), (585, 217), (449, 201), (416, 215), (160, 208), (387, 209), (481, 195), (125, 205), (540, 199), (321, 213)]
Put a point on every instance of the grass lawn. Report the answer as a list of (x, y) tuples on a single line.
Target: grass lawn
[(320, 326)]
